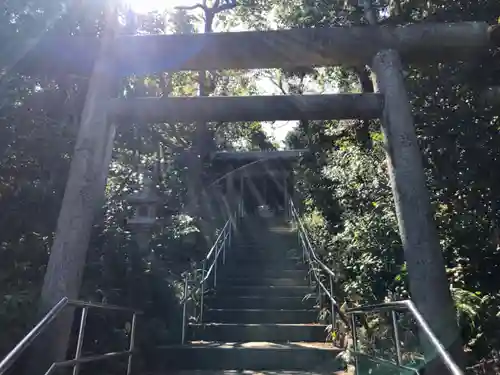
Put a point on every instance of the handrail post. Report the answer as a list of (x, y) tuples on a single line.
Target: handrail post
[(202, 290), (320, 295), (301, 244), (132, 344), (184, 307), (354, 343), (334, 316), (215, 265), (395, 329), (226, 235), (304, 250), (79, 343)]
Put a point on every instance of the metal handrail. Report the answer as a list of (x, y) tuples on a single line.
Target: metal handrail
[(295, 215), (221, 244), (11, 357), (422, 323), (386, 362), (310, 254), (214, 246), (44, 323), (224, 235)]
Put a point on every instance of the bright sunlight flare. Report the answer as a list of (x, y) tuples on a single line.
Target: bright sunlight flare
[(145, 6)]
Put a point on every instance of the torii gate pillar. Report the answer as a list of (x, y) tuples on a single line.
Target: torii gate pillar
[(426, 268)]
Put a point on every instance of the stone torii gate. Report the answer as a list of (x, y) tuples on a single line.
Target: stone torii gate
[(383, 48)]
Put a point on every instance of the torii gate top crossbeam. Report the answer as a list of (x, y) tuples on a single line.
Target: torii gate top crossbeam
[(257, 163), (253, 156), (348, 46)]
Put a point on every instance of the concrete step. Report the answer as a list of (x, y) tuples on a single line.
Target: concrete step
[(266, 270), (245, 272), (263, 246), (251, 265), (256, 316), (263, 291), (258, 332), (261, 281), (276, 262), (257, 372), (258, 302), (266, 253), (250, 356)]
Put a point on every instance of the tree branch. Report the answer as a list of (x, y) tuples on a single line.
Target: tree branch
[(226, 6), (192, 7), (167, 142), (395, 9), (278, 83), (176, 135)]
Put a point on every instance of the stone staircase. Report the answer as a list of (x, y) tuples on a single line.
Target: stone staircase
[(258, 321)]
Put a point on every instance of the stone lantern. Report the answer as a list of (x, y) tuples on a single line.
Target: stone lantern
[(144, 201)]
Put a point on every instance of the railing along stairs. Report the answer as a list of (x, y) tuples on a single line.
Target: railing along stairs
[(197, 284), (208, 276), (317, 271), (44, 324)]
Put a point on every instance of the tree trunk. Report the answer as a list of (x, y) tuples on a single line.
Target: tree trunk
[(365, 81), (363, 129), (426, 268), (370, 14), (490, 97), (197, 195)]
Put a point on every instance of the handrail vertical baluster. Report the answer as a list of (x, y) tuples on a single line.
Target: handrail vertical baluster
[(224, 244), (131, 344), (215, 266), (354, 343), (320, 295), (395, 329), (79, 343), (332, 306), (184, 307), (202, 297)]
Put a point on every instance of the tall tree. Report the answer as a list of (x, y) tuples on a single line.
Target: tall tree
[(203, 141)]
